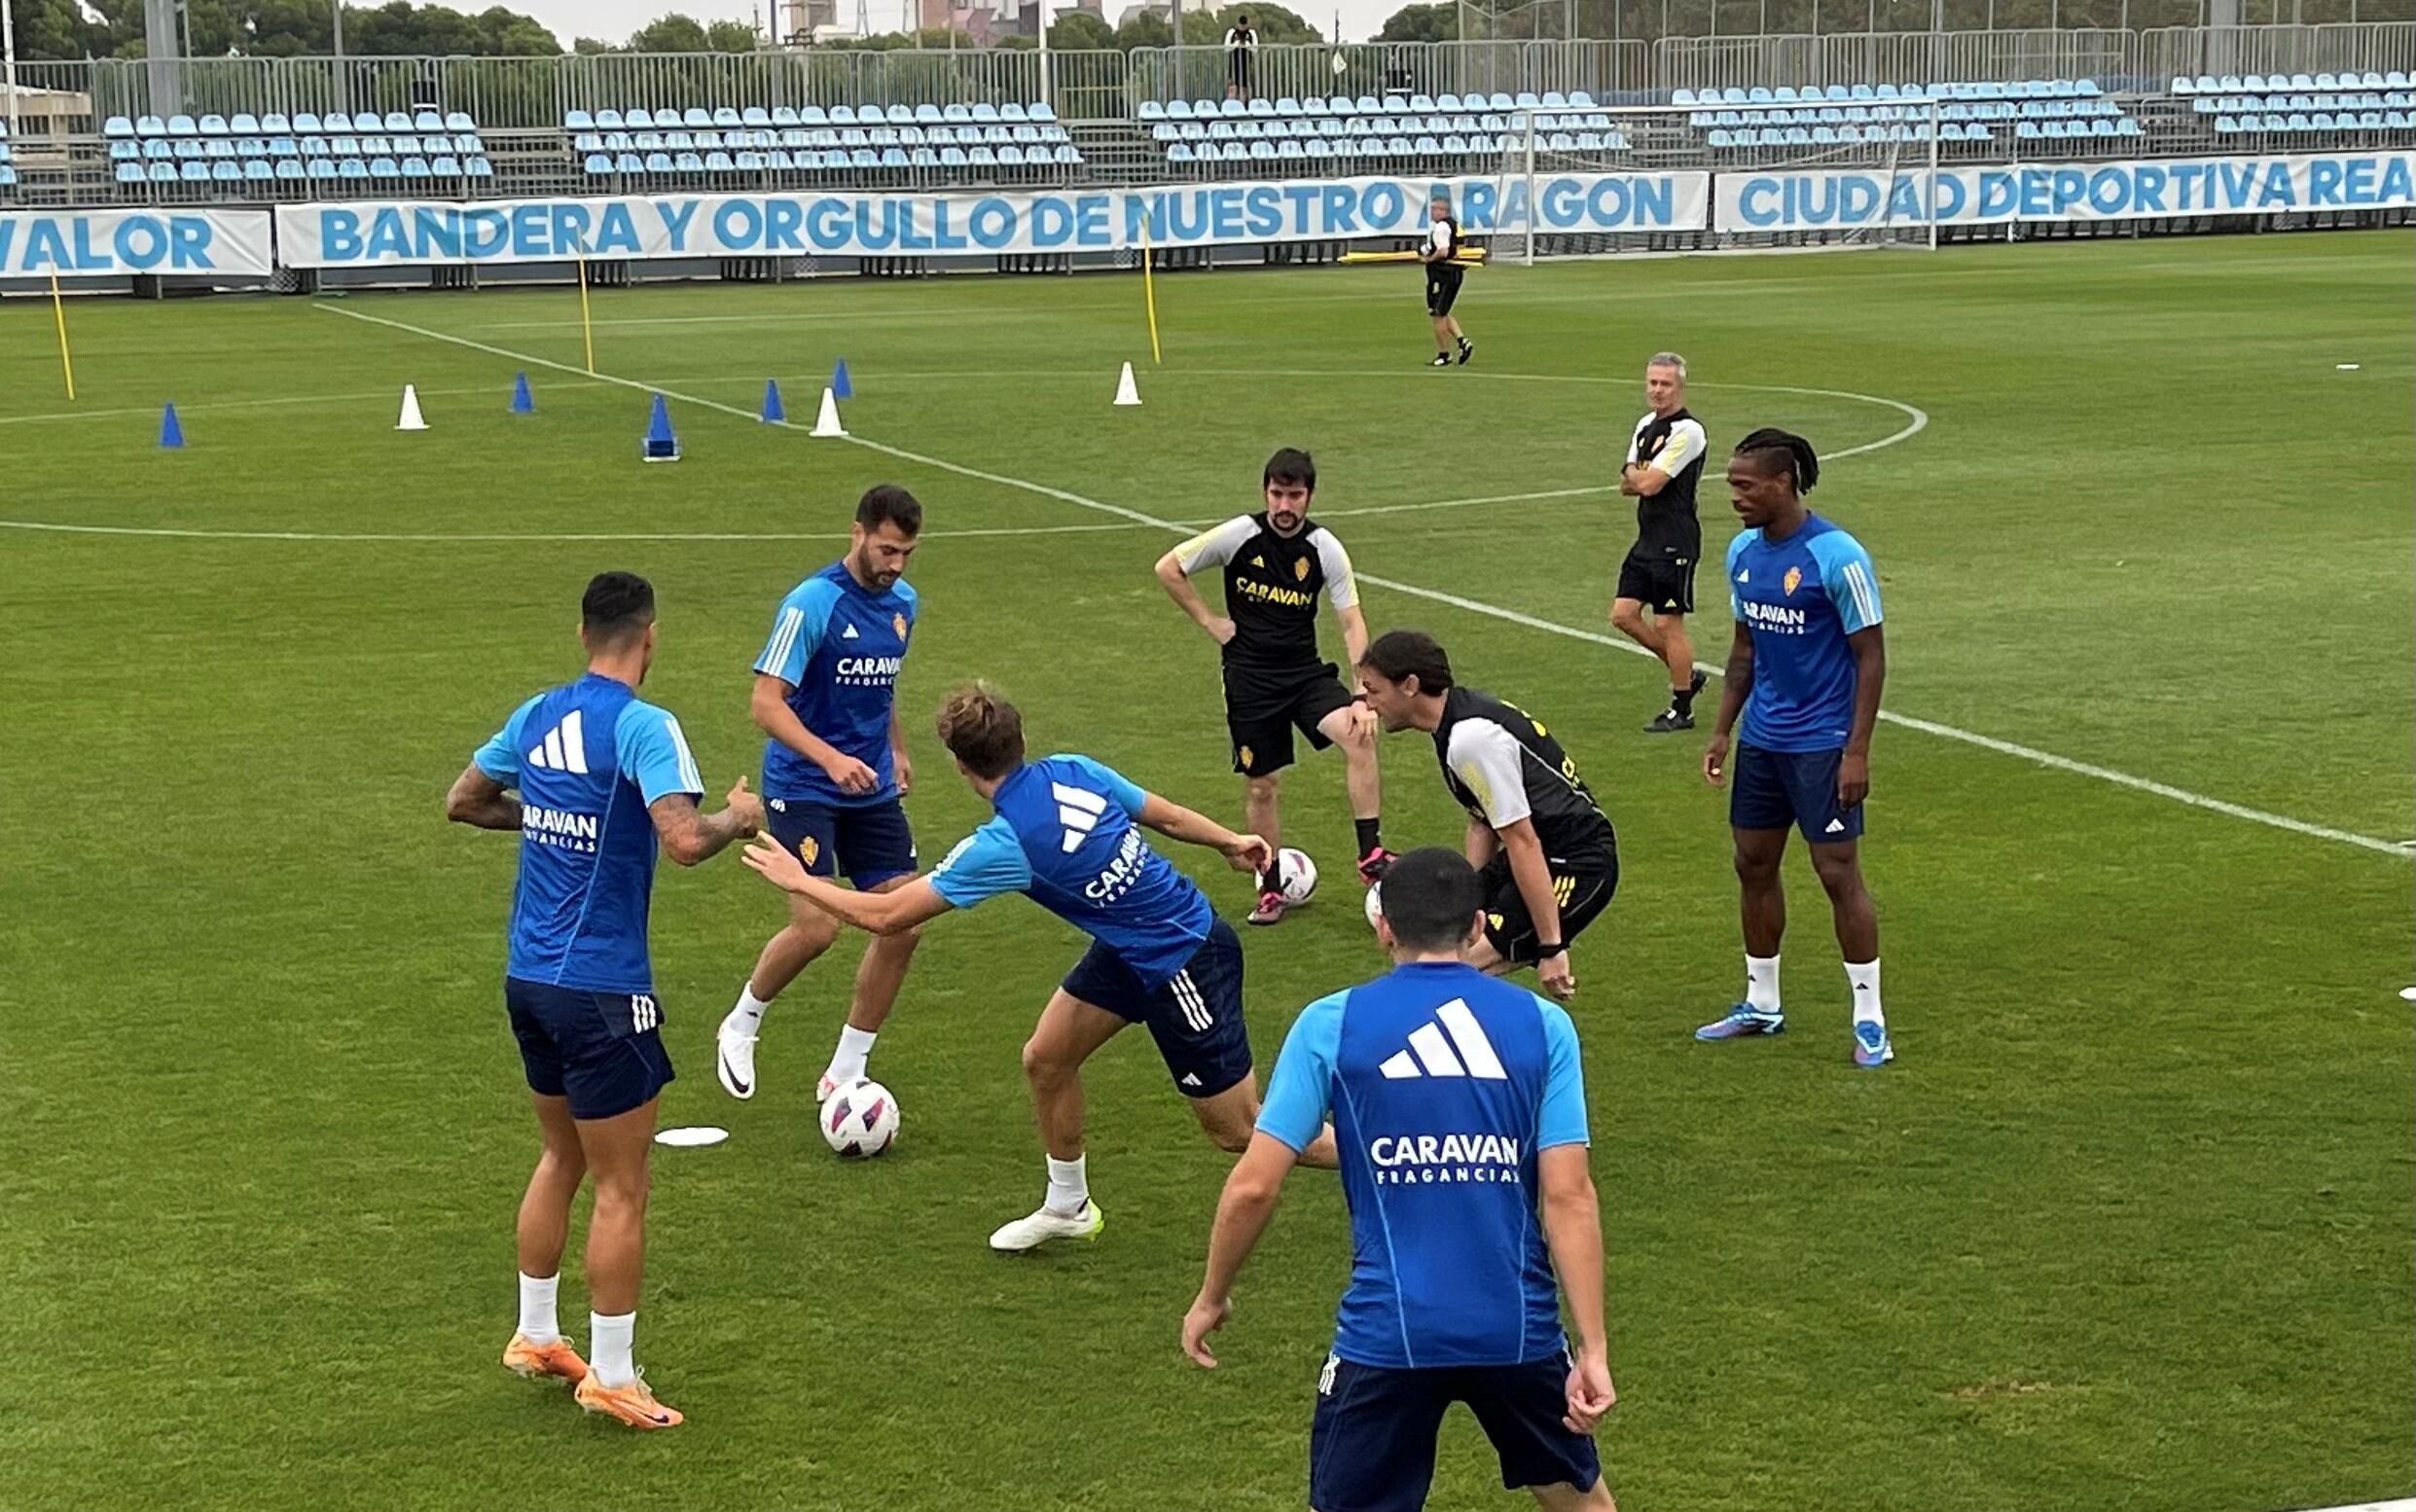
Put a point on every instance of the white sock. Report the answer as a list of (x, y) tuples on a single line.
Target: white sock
[(1866, 980), (1761, 984), (749, 1012), (855, 1046), (610, 1341), (1070, 1183), (537, 1294)]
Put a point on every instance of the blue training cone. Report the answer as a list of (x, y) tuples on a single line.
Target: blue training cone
[(523, 402), (661, 445), (840, 387), (773, 413), (171, 433)]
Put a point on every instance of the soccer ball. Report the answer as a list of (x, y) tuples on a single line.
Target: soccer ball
[(1299, 874), (859, 1120), (1375, 904)]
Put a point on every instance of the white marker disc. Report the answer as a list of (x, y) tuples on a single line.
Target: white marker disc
[(692, 1137)]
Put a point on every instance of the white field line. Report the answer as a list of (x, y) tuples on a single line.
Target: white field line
[(2027, 753)]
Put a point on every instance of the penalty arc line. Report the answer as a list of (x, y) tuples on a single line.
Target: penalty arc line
[(2032, 754)]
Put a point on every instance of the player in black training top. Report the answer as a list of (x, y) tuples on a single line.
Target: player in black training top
[(1665, 462), (1548, 856), (1276, 565), (1443, 277)]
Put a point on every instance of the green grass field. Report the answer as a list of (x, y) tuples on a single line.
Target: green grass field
[(2128, 1224)]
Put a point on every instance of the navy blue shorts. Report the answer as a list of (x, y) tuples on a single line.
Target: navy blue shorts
[(1194, 1017), (603, 1051), (868, 846), (1769, 790), (1371, 1447)]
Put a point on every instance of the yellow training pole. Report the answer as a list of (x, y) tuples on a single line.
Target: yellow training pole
[(585, 328), (1149, 296), (67, 361)]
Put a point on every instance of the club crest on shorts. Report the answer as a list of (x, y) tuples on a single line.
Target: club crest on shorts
[(1795, 575), (809, 850), (1244, 754)]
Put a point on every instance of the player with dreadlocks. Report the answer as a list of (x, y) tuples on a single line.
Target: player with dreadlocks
[(1804, 670)]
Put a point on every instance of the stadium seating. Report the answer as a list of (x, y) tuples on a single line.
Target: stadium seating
[(2358, 104), (252, 157), (2026, 110), (739, 146), (1444, 133)]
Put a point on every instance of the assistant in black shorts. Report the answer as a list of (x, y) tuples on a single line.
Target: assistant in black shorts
[(1263, 707), (1442, 288), (1195, 1016), (1582, 886), (1661, 582), (1371, 1445)]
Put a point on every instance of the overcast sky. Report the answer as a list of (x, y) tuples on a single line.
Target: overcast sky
[(614, 20)]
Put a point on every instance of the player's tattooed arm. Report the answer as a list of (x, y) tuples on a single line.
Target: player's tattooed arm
[(691, 835), (1736, 680), (480, 802)]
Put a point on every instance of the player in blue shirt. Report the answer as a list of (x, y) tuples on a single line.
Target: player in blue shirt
[(1067, 835), (835, 770), (1459, 1110), (1805, 668), (602, 776)]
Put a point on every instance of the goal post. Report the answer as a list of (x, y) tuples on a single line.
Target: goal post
[(1889, 139)]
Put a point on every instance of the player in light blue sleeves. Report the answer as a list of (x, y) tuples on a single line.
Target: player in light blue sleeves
[(1459, 1116), (1068, 833), (1805, 669), (602, 777)]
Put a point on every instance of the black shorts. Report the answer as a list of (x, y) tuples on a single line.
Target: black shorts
[(1237, 67), (1371, 1445), (602, 1051), (1263, 707), (1442, 290), (1769, 790), (1582, 883), (869, 846), (1661, 582), (1195, 1016)]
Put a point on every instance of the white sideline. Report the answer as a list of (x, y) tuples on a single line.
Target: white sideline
[(1475, 606)]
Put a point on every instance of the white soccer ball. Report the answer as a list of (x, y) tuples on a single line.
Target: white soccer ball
[(1375, 904), (859, 1120), (1299, 874)]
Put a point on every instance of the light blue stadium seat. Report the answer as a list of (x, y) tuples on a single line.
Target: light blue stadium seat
[(289, 171), (688, 162), (641, 119), (117, 127), (240, 124), (778, 161), (424, 120), (185, 151), (150, 126), (130, 173), (163, 173), (695, 118), (256, 170), (180, 125), (220, 172), (725, 118), (658, 162), (579, 121), (211, 125), (719, 163), (384, 167)]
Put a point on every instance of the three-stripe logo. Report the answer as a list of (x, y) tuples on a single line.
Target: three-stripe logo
[(564, 746), (1078, 810), (1195, 1007), (644, 1013), (1453, 1044)]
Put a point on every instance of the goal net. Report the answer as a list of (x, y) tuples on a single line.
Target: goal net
[(1847, 172)]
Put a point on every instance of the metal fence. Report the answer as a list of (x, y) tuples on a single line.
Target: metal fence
[(533, 93)]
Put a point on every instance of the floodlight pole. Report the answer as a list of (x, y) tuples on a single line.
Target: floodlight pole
[(8, 59)]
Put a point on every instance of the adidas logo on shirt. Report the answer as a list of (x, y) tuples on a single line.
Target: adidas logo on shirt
[(1454, 1044), (564, 746), (1078, 811), (848, 634), (1745, 576)]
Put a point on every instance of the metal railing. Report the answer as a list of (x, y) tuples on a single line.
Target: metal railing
[(534, 93)]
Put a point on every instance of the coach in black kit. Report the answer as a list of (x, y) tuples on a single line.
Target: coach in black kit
[(1276, 564), (1665, 462)]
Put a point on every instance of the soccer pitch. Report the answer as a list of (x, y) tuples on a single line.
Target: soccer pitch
[(2128, 1223)]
